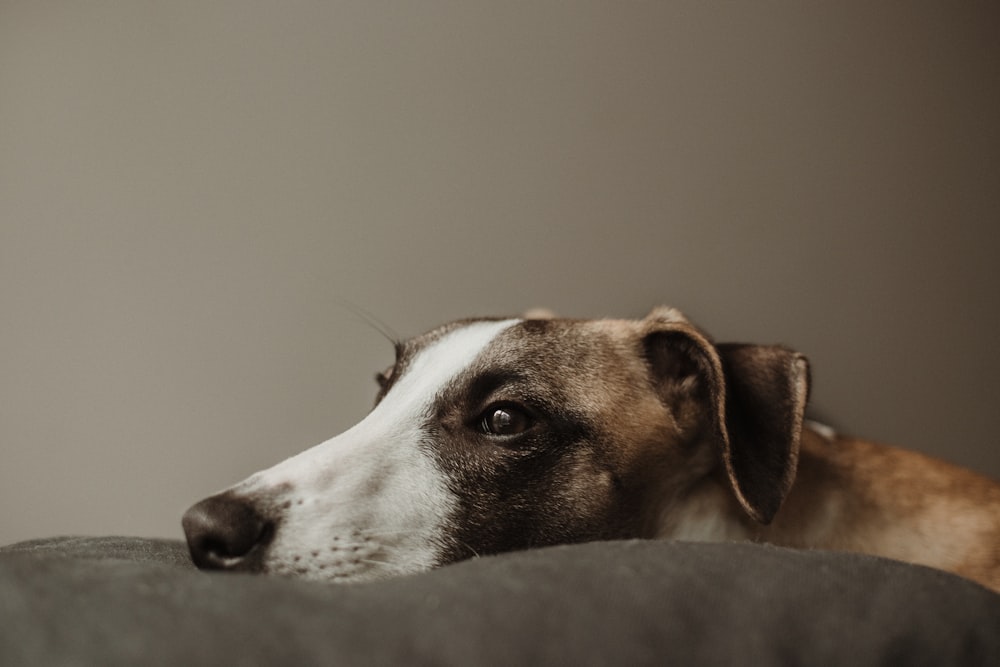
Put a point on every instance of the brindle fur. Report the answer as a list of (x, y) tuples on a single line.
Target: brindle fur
[(633, 443), (640, 429)]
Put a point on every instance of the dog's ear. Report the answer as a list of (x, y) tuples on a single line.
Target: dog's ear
[(749, 399), (538, 314), (767, 388)]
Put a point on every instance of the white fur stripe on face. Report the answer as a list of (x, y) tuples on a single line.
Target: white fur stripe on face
[(373, 479), (408, 400), (432, 369)]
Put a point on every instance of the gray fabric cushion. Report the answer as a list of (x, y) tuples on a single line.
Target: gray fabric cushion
[(117, 601)]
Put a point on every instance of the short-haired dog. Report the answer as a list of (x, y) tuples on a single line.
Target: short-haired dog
[(492, 435)]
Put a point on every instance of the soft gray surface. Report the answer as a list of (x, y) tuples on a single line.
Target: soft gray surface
[(116, 601)]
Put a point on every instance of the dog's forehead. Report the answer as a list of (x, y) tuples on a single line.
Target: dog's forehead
[(558, 341), (550, 343), (446, 339), (444, 353)]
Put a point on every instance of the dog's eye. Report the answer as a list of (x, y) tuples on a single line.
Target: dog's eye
[(505, 421)]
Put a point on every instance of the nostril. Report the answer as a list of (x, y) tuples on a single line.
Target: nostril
[(222, 531)]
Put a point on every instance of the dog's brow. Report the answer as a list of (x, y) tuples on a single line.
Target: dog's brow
[(425, 370)]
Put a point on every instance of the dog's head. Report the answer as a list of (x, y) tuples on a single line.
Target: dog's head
[(496, 435)]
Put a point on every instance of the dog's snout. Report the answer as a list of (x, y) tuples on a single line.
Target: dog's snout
[(225, 532)]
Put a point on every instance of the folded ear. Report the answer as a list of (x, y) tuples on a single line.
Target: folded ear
[(750, 398), (767, 388), (538, 314)]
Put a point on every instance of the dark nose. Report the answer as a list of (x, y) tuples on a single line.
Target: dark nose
[(225, 532)]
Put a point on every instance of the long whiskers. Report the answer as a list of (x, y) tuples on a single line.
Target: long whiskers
[(384, 533), (372, 321), (475, 554)]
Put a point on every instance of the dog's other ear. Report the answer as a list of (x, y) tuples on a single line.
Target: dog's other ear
[(748, 399), (767, 388), (538, 314)]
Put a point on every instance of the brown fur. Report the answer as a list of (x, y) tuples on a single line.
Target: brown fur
[(636, 428), (650, 429), (892, 502), (853, 495)]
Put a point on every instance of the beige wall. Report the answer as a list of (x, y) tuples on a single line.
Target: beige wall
[(188, 190)]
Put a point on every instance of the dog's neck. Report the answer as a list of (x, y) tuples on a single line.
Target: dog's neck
[(840, 501), (813, 515)]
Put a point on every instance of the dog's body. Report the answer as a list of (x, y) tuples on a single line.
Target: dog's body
[(495, 435), (854, 495)]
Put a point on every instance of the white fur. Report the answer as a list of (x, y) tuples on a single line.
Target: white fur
[(706, 517), (827, 432), (370, 502)]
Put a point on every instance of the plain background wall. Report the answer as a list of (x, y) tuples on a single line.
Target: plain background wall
[(190, 191)]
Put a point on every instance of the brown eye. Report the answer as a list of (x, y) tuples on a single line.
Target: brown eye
[(504, 421)]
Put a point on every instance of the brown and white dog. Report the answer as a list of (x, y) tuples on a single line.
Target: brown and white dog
[(495, 435)]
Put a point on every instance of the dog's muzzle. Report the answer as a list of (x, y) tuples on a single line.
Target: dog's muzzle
[(225, 532)]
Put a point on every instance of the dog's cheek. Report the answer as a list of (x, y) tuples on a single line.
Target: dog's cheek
[(488, 506), (478, 524), (556, 495), (584, 497), (587, 502)]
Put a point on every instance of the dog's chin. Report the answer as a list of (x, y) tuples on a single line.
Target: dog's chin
[(352, 557), (344, 571)]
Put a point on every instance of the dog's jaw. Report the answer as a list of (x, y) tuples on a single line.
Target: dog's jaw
[(369, 503)]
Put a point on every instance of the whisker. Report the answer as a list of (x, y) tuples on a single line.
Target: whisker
[(371, 320), (342, 544), (363, 532), (383, 533), (290, 504), (475, 554)]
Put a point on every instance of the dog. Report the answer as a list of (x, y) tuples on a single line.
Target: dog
[(493, 435)]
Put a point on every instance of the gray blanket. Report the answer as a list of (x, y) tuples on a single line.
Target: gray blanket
[(129, 601)]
